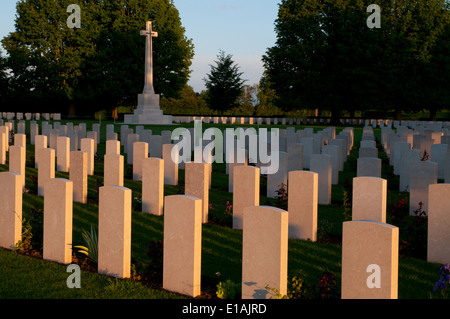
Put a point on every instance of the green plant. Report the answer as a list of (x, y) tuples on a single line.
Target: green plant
[(347, 206), (222, 216), (33, 186), (326, 288), (413, 234), (91, 242), (24, 245), (399, 211), (295, 288), (37, 228), (275, 293), (228, 289), (30, 160)]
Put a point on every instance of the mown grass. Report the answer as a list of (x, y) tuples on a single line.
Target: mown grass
[(26, 277)]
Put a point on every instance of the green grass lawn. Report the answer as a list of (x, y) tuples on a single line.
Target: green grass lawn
[(28, 277)]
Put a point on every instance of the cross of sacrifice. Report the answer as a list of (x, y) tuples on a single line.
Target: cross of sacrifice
[(148, 88)]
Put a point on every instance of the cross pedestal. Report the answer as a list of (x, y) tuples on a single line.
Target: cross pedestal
[(148, 110)]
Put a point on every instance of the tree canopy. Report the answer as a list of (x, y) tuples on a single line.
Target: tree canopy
[(101, 64), (327, 57), (224, 84)]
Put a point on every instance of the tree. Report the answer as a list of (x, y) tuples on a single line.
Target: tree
[(224, 84), (189, 103), (317, 61), (327, 57), (266, 97), (435, 75), (411, 30), (101, 64), (4, 82)]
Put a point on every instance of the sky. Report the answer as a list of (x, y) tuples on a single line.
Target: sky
[(242, 28)]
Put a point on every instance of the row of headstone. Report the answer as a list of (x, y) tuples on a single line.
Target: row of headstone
[(301, 121), (420, 158), (367, 241), (365, 234), (368, 163), (30, 116)]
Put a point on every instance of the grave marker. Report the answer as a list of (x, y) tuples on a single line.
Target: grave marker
[(246, 191), (303, 188), (58, 214), (369, 260), (114, 231), (197, 185), (63, 154), (422, 175), (182, 244), (369, 199), (46, 170), (10, 209), (17, 161), (369, 167), (170, 157), (153, 186), (78, 175), (113, 172), (322, 164), (87, 146), (439, 224), (264, 251), (140, 152)]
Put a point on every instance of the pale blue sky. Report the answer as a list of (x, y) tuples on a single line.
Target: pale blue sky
[(242, 28)]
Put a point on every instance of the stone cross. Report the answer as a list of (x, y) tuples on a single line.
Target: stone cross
[(148, 88)]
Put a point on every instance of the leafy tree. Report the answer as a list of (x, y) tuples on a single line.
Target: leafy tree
[(101, 64), (224, 84), (315, 61), (326, 57), (435, 75), (410, 30), (4, 82), (188, 103), (266, 97)]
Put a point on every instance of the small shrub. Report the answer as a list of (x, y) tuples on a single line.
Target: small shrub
[(228, 289), (37, 228), (33, 186), (413, 234), (326, 287), (222, 215), (91, 245), (24, 245), (296, 286), (32, 234), (347, 206), (399, 211), (30, 160)]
